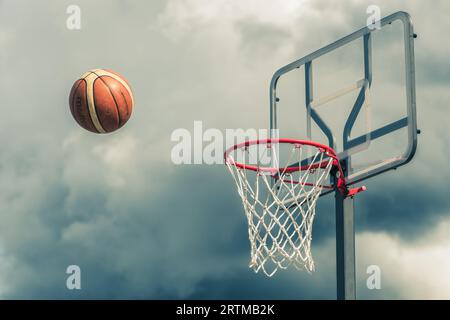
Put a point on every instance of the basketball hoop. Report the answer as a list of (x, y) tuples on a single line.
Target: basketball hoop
[(280, 201)]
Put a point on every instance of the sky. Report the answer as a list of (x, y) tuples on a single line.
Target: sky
[(140, 227)]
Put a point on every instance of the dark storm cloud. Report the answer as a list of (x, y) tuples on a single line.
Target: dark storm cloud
[(407, 211), (287, 285), (175, 243), (173, 237), (138, 226)]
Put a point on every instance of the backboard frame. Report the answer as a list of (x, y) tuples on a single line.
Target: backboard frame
[(409, 121)]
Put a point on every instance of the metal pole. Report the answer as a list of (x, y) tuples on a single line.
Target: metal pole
[(345, 248)]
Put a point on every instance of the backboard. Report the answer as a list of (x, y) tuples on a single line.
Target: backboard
[(356, 95)]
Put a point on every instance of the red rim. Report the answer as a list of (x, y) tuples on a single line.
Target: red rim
[(340, 183), (329, 152)]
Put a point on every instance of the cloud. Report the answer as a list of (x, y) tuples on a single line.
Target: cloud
[(414, 270), (140, 227)]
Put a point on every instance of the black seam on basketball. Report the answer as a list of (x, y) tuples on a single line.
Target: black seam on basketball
[(90, 72), (126, 103), (115, 102), (114, 98), (87, 106), (130, 93), (73, 95), (95, 103), (98, 76)]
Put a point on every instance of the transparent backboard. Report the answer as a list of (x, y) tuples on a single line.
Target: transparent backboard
[(356, 95)]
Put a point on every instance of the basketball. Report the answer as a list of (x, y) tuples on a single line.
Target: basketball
[(101, 101)]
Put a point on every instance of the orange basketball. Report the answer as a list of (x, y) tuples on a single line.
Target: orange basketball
[(101, 101)]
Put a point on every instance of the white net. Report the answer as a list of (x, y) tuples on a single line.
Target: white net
[(280, 204)]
